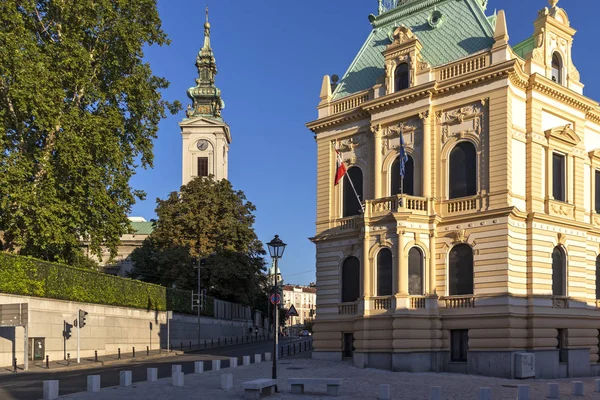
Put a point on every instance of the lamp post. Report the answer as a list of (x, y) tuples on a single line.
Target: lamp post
[(276, 248)]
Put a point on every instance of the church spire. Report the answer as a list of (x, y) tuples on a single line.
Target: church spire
[(205, 96)]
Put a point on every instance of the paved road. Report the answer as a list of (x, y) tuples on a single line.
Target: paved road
[(28, 386)]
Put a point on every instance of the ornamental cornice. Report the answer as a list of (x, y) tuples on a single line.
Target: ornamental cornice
[(545, 86), (404, 95), (336, 119), (593, 115)]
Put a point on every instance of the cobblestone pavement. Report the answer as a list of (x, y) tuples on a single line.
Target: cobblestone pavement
[(356, 384)]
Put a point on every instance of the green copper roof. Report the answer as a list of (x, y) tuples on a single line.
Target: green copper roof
[(142, 228), (464, 29), (526, 46)]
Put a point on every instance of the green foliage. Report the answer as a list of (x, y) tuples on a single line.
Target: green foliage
[(78, 109), (30, 277), (206, 220)]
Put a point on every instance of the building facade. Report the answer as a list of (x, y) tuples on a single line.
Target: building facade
[(304, 300), (205, 136), (489, 246)]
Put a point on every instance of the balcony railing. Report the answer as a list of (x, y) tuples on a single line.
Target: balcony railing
[(463, 67), (417, 302), (461, 205), (398, 203), (382, 303), (349, 103), (460, 301), (348, 309), (349, 223)]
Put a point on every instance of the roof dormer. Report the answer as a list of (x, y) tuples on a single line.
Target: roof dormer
[(401, 59)]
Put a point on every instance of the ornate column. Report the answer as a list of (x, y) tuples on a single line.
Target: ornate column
[(366, 267), (432, 266), (377, 159), (426, 168), (402, 282)]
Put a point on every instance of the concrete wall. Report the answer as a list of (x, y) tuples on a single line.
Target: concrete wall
[(107, 329)]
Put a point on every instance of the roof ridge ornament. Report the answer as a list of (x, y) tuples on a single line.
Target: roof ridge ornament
[(552, 3)]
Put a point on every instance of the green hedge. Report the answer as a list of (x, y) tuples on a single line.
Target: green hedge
[(32, 277)]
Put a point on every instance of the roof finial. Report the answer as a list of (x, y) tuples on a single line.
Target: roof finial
[(206, 25), (553, 3)]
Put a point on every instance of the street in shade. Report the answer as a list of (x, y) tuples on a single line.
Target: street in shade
[(28, 385)]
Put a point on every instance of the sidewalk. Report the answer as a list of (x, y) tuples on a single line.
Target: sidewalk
[(90, 362), (357, 384)]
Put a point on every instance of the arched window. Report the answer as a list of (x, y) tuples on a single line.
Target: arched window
[(557, 68), (598, 277), (401, 77), (460, 270), (559, 272), (350, 279), (463, 171), (408, 185), (351, 203), (384, 272), (415, 272)]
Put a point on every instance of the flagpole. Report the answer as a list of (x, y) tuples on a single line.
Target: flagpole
[(362, 207)]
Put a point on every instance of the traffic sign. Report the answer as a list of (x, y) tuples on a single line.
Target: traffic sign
[(275, 298), (292, 312)]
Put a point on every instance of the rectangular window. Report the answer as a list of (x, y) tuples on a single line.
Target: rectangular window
[(459, 345), (561, 345), (597, 197), (558, 177), (202, 166)]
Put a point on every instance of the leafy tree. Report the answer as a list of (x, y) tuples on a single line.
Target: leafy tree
[(78, 109), (207, 222)]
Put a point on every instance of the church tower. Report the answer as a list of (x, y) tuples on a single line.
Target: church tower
[(205, 136)]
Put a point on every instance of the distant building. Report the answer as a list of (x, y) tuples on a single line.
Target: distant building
[(122, 264), (304, 299)]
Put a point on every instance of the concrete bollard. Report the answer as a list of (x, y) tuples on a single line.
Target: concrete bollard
[(175, 368), (553, 391), (216, 365), (597, 385), (436, 393), (93, 383), (246, 360), (384, 392), (523, 392), (198, 367), (577, 388), (257, 358), (177, 379), (233, 361), (125, 378), (152, 374), (50, 390), (267, 356), (226, 381), (485, 393)]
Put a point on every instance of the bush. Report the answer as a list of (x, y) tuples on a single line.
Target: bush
[(32, 277)]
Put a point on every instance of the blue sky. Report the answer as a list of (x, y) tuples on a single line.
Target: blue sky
[(271, 57)]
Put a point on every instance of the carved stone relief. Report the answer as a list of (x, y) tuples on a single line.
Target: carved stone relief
[(353, 149), (469, 119)]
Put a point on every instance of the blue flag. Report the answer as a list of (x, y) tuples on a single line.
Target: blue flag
[(403, 156)]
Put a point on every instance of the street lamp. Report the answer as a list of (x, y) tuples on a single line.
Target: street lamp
[(276, 249)]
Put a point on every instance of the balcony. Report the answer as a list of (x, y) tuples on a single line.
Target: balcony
[(397, 203), (382, 303), (348, 308), (417, 302), (349, 223), (462, 205), (453, 302)]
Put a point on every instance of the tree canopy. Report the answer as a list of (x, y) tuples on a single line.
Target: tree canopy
[(206, 220), (79, 109)]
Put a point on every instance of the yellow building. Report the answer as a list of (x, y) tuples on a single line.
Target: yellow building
[(491, 250)]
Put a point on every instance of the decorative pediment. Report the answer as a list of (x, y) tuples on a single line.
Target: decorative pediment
[(594, 155), (564, 134), (401, 35)]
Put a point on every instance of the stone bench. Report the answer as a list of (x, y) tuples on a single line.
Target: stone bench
[(253, 389), (333, 384)]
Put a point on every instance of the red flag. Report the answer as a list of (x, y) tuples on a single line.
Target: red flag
[(340, 171)]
